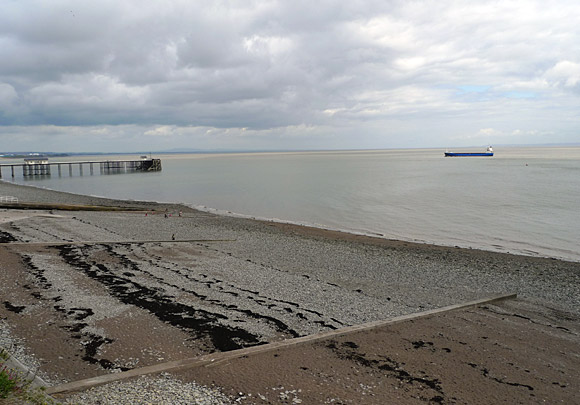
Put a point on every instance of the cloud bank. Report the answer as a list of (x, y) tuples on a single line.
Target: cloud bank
[(109, 75)]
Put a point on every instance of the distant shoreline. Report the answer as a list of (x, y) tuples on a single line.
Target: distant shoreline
[(19, 154)]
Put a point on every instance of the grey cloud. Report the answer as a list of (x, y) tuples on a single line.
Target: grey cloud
[(262, 65)]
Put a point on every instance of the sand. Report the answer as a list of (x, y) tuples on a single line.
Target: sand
[(86, 293), (502, 353)]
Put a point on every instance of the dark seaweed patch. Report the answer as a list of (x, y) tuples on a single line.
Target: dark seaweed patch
[(419, 343), (281, 326), (200, 323), (91, 350), (326, 325), (348, 352), (37, 273), (485, 372), (6, 237), (77, 327), (80, 313), (14, 308), (351, 345)]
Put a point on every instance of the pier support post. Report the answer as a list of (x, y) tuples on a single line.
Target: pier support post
[(59, 171), (70, 169), (12, 167)]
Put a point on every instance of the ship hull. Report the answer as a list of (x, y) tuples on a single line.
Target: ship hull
[(450, 154)]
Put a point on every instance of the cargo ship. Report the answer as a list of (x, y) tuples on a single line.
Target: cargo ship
[(488, 152)]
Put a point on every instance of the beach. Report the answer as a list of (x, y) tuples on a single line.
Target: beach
[(88, 291)]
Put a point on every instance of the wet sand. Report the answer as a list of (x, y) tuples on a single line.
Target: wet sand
[(87, 293), (510, 352)]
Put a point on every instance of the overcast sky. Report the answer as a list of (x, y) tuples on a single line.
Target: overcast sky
[(137, 75)]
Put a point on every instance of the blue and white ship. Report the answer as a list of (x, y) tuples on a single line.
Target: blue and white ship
[(488, 152)]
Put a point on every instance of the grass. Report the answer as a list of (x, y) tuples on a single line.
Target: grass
[(16, 388), (8, 382)]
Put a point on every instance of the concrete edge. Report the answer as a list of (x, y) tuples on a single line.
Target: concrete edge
[(24, 372), (68, 207), (114, 242), (212, 358)]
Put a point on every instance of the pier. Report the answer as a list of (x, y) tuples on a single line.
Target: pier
[(42, 167)]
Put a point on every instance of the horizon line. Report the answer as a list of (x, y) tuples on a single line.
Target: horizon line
[(209, 151)]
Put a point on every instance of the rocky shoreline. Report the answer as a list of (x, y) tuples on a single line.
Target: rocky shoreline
[(81, 287)]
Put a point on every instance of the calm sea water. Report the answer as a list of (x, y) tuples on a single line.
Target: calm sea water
[(523, 200)]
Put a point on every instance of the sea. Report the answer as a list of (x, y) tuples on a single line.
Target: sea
[(523, 200)]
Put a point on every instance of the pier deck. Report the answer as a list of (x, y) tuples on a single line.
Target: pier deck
[(43, 168)]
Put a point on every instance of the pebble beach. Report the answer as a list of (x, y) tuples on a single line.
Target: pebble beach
[(90, 292)]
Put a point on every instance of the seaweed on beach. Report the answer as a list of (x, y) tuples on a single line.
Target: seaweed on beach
[(6, 237), (200, 323), (222, 287), (14, 308), (348, 351), (36, 272)]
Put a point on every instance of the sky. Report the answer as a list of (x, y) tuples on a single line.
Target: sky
[(124, 76)]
